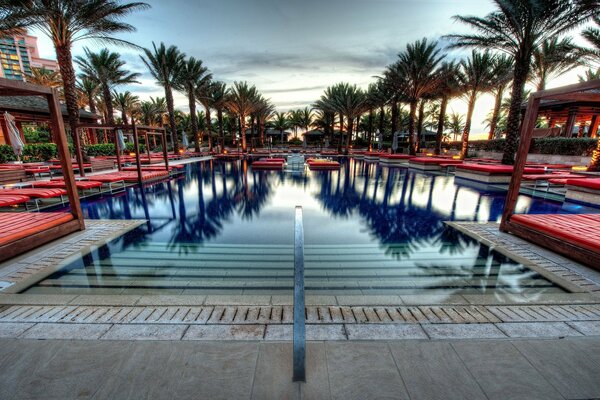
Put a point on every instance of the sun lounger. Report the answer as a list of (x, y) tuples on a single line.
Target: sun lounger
[(584, 190), (81, 185), (267, 165), (491, 173), (23, 231), (394, 160), (576, 236), (323, 165), (431, 163), (13, 200)]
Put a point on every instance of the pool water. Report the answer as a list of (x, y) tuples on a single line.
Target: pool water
[(222, 228)]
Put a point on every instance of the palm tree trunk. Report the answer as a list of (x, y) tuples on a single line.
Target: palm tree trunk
[(420, 124), (467, 130), (341, 133), (243, 132), (208, 128), (394, 115), (440, 127), (261, 133), (496, 113), (65, 62), (193, 118), (171, 110), (124, 117), (514, 115), (370, 129), (381, 119), (92, 104), (221, 132), (595, 163), (108, 105), (349, 136), (411, 127)]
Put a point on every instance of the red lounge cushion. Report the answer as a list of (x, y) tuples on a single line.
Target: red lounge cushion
[(15, 226), (590, 183), (582, 230), (33, 192), (558, 181), (37, 170), (497, 169), (62, 184), (10, 166), (279, 160), (432, 160), (324, 165), (544, 177), (107, 178), (12, 200), (396, 156), (264, 164)]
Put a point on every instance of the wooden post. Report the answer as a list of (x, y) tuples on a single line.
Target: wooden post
[(570, 122), (593, 132), (58, 130), (4, 130), (524, 142), (136, 144), (118, 150), (147, 145)]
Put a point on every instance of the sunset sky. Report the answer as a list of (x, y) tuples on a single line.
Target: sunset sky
[(291, 49)]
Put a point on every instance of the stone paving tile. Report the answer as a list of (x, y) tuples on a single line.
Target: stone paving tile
[(430, 299), (462, 331), (66, 331), (13, 329), (568, 367), (36, 299), (225, 332), (537, 329), (368, 300), (363, 371), (145, 332), (588, 328), (385, 332), (237, 300), (166, 300), (433, 370), (502, 372), (313, 332), (274, 371)]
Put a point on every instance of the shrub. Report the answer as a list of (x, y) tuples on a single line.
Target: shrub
[(108, 149), (6, 154), (295, 142), (36, 135), (39, 152)]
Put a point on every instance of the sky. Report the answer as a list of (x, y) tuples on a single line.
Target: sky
[(293, 49)]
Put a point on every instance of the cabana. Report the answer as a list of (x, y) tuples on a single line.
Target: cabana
[(575, 236), (23, 231), (135, 131)]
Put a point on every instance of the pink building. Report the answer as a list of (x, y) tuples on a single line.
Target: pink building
[(19, 54)]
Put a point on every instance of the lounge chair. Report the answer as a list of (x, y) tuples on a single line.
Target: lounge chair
[(584, 190), (491, 173), (13, 200)]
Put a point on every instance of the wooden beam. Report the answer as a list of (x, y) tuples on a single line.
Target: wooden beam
[(58, 130), (118, 151), (136, 145), (19, 86), (164, 147), (577, 87), (514, 187), (593, 132), (594, 97), (570, 122)]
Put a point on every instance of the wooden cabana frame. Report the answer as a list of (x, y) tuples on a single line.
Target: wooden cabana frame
[(18, 88), (586, 91), (136, 130)]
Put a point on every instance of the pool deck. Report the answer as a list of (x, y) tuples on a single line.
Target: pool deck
[(441, 369)]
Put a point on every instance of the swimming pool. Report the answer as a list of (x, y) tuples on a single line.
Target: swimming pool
[(222, 228)]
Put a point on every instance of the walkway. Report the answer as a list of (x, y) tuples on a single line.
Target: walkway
[(458, 369)]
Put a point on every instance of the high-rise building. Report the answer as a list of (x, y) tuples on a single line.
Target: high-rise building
[(19, 54)]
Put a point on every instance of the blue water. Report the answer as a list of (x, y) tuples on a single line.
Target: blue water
[(223, 228)]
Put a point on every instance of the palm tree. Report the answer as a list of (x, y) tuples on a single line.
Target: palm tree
[(448, 87), (503, 67), (592, 35), (126, 103), (219, 99), (89, 88), (589, 75), (164, 63), (553, 58), (457, 124), (106, 69), (417, 67), (241, 101), (66, 22), (519, 27), (263, 112), (147, 113), (280, 123), (205, 97), (349, 101), (161, 116), (477, 77), (45, 77), (191, 76)]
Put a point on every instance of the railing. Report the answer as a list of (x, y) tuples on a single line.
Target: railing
[(299, 357)]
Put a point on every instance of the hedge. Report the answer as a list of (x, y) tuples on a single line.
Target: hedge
[(108, 149), (6, 154), (557, 146)]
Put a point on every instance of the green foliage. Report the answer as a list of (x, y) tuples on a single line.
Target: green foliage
[(108, 149), (556, 146), (39, 152), (295, 142), (6, 154), (39, 135), (102, 149)]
